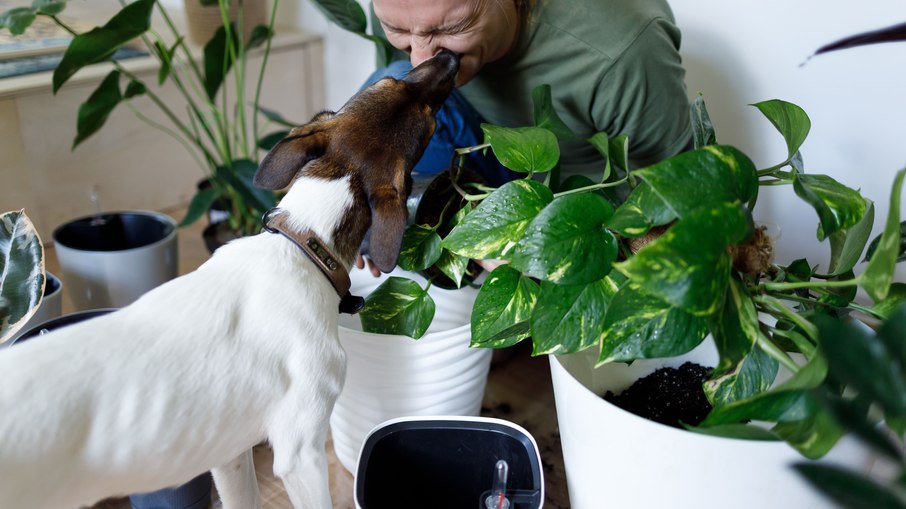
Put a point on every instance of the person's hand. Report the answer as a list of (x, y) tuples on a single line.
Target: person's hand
[(490, 265), (361, 261)]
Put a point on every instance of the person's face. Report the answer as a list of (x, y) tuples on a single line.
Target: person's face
[(481, 31)]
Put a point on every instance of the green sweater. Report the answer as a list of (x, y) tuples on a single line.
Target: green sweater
[(613, 66)]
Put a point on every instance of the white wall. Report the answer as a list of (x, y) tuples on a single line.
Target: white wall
[(738, 53), (348, 58)]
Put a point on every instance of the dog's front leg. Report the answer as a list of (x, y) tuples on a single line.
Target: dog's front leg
[(236, 483), (301, 462)]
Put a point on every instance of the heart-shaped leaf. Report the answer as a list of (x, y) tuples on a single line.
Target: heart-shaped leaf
[(895, 299), (839, 207), (523, 149), (570, 318), (642, 210), (566, 243), (49, 7), (640, 326), (497, 224), (398, 306), (702, 178), (688, 266), (506, 299), (813, 436), (751, 375), (790, 120), (420, 249), (873, 246), (451, 264)]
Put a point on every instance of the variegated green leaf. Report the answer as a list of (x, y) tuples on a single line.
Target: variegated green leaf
[(713, 175), (566, 243), (495, 226), (640, 326), (22, 276), (839, 208), (570, 318), (420, 248), (398, 306), (641, 211), (688, 266), (505, 301)]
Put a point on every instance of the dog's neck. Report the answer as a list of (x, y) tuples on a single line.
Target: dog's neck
[(320, 206)]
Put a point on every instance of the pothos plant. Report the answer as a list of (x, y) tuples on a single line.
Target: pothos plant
[(646, 263), (216, 127)]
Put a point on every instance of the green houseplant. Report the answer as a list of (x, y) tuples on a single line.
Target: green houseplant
[(576, 278), (22, 275), (216, 128)]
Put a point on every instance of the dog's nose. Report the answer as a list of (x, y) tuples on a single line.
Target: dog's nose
[(448, 59)]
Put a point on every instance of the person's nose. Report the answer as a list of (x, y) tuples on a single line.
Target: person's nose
[(423, 48)]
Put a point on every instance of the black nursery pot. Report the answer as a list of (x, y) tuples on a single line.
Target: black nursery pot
[(447, 464), (429, 196)]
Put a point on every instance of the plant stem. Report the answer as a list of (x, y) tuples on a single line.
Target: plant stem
[(802, 344), (801, 285), (777, 306), (592, 187), (267, 52), (776, 353), (778, 182)]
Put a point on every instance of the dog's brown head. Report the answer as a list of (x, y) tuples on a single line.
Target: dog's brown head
[(375, 140)]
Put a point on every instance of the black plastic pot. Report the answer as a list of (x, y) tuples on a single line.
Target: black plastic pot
[(195, 494), (447, 463)]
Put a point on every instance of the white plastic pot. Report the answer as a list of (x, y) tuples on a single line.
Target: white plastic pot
[(616, 459), (109, 260), (396, 376)]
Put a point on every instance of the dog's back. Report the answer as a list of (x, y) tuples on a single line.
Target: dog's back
[(109, 402)]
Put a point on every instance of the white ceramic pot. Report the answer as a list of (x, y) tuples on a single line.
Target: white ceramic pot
[(109, 260), (396, 376), (616, 459)]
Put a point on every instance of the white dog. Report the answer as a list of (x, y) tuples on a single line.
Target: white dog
[(199, 370)]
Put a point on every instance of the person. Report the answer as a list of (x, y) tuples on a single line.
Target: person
[(613, 66)]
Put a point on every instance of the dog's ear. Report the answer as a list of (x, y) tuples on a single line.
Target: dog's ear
[(290, 155), (388, 223)]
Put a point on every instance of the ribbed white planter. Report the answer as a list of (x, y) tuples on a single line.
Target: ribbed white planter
[(616, 459), (395, 376)]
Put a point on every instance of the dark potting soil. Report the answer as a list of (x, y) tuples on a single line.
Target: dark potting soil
[(669, 396)]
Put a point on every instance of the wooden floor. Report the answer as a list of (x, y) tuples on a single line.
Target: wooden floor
[(518, 390)]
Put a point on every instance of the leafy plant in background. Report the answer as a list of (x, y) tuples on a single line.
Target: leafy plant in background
[(22, 275), (681, 256), (215, 129), (349, 15)]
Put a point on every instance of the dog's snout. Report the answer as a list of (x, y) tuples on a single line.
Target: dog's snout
[(449, 60)]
